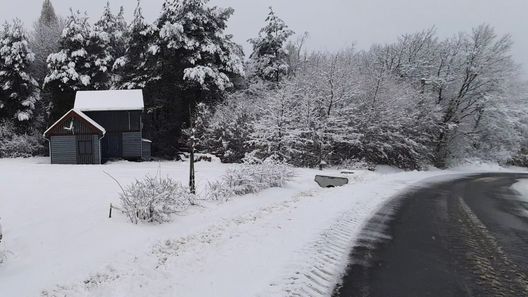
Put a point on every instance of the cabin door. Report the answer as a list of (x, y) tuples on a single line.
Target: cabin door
[(112, 146), (85, 149)]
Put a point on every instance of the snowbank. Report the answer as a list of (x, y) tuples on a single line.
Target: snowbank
[(522, 187)]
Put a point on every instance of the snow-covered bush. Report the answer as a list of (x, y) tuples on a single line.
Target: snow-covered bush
[(154, 199), (520, 159), (250, 178), (355, 164), (19, 146)]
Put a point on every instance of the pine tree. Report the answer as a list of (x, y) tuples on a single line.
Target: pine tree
[(71, 68), (18, 89), (195, 44), (121, 33), (103, 48), (45, 39), (269, 57), (137, 66), (226, 132), (47, 15), (108, 42), (196, 61)]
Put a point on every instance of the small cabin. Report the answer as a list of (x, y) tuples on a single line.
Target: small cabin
[(103, 125)]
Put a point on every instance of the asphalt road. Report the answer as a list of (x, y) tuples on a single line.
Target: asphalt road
[(466, 237)]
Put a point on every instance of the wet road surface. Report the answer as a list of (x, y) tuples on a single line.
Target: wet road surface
[(465, 237)]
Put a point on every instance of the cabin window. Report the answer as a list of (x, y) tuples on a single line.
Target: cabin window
[(85, 147)]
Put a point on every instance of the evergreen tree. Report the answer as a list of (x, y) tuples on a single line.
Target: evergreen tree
[(45, 39), (196, 60), (47, 14), (136, 68), (18, 89), (121, 33), (102, 48), (225, 132), (71, 68), (108, 42), (269, 57)]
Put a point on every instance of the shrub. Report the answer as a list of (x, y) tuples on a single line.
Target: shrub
[(520, 159), (21, 146), (15, 145), (250, 178), (356, 164), (155, 199)]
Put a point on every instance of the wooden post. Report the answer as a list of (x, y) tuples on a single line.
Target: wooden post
[(110, 212), (192, 178)]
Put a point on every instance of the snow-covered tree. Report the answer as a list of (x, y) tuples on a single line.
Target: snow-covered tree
[(278, 114), (44, 40), (18, 89), (193, 39), (269, 57), (479, 69), (411, 103), (138, 66), (196, 60), (103, 48), (71, 68), (107, 44), (121, 33), (226, 132)]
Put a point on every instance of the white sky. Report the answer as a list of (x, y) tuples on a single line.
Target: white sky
[(333, 24)]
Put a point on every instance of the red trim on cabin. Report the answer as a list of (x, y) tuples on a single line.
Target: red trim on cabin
[(58, 127)]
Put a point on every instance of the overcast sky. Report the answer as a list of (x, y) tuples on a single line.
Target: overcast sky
[(333, 24)]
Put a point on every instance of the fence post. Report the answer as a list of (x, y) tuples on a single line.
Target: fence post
[(110, 213)]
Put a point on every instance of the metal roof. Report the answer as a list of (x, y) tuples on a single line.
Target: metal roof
[(110, 100)]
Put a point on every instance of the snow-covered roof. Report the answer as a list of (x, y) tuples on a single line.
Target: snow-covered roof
[(109, 100), (82, 115)]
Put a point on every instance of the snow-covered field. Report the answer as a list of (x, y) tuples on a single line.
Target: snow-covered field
[(58, 240)]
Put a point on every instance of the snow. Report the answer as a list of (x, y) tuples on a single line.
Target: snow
[(522, 188), (58, 239), (109, 100)]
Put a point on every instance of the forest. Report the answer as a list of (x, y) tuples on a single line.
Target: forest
[(417, 102)]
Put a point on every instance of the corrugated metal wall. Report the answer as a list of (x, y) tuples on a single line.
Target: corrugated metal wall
[(146, 151), (97, 149), (63, 149), (123, 133), (117, 121), (132, 144)]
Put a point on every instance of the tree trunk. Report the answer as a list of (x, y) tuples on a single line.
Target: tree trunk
[(441, 151)]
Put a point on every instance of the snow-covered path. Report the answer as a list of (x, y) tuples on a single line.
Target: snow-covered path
[(276, 243)]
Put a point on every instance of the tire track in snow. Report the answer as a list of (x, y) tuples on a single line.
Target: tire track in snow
[(331, 253)]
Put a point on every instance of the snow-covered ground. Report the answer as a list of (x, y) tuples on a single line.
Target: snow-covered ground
[(58, 240), (522, 187)]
